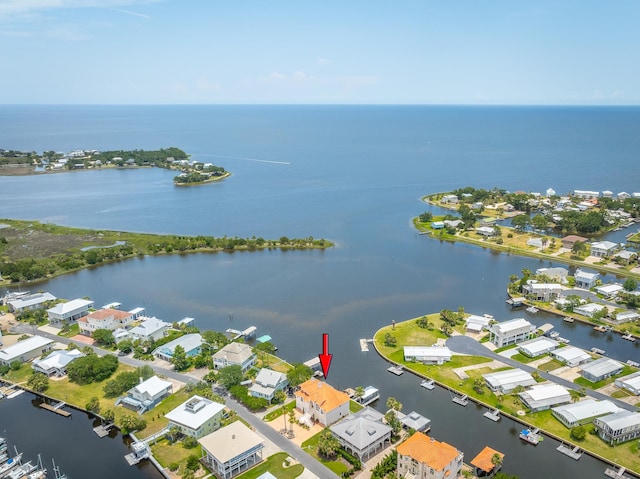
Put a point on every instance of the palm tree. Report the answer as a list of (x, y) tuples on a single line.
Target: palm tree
[(328, 445), (496, 460), (393, 403), (359, 392)]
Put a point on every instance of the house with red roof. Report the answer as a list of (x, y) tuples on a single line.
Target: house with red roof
[(422, 457)]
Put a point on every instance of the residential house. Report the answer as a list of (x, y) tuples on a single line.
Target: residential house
[(231, 450), (196, 417), (600, 369), (191, 343), (585, 194), (571, 356), (110, 319), (449, 200), (423, 457), (319, 402), (590, 309), (607, 194), (437, 225), (511, 332), (543, 396), (452, 223), (65, 313), (537, 347), (630, 382), (415, 421), (609, 290), (603, 249), (555, 274), (569, 241), (146, 395), (29, 302), (623, 195), (362, 434), (486, 231), (506, 381), (618, 427), (583, 412), (427, 354), (546, 292), (150, 329), (484, 462), (25, 350), (623, 317), (476, 324), (625, 257), (550, 192), (235, 354), (585, 279), (267, 383), (55, 364)]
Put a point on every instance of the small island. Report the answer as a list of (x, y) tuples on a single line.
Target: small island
[(15, 163)]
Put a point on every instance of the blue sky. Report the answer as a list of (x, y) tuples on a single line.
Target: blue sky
[(575, 52)]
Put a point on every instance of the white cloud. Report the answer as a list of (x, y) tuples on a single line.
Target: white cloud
[(297, 77), (14, 8), (322, 61)]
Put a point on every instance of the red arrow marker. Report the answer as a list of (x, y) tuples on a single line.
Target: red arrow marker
[(325, 357)]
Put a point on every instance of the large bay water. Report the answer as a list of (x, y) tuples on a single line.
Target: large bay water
[(352, 174)]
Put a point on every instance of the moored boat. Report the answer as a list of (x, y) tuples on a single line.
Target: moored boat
[(531, 436), (11, 463)]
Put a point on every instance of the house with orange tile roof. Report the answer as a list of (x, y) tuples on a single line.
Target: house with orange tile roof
[(487, 462), (422, 457), (319, 402), (105, 318)]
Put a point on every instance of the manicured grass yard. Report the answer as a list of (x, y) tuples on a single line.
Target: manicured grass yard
[(550, 365), (276, 413), (311, 447), (275, 465)]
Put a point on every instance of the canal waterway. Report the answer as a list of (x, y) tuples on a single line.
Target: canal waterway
[(353, 175)]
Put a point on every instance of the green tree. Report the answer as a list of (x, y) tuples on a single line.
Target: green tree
[(520, 222), (393, 403), (93, 406), (390, 340), (38, 382), (109, 416), (539, 222), (328, 445), (104, 337), (578, 433), (230, 376), (129, 423), (426, 217), (125, 346), (180, 360), (193, 463), (298, 374), (630, 284)]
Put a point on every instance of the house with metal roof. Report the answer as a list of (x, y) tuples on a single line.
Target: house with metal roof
[(267, 383), (631, 383), (191, 343), (603, 249), (234, 354), (571, 356), (589, 309), (422, 456), (543, 396), (624, 317), (69, 311), (427, 354), (150, 329), (583, 412), (511, 332), (319, 402), (476, 324), (585, 280), (28, 302), (196, 417), (25, 350), (55, 364), (618, 427), (542, 291), (362, 434), (146, 395), (231, 450), (600, 369), (609, 289), (537, 347), (415, 421), (507, 381)]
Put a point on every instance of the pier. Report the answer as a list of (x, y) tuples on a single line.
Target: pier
[(246, 334), (493, 415), (103, 431), (364, 345), (428, 384), (397, 370), (619, 474), (516, 302), (57, 408), (461, 400), (573, 453), (139, 451)]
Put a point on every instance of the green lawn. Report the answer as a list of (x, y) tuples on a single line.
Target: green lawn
[(550, 365), (277, 412), (167, 453), (354, 407), (277, 466), (311, 447)]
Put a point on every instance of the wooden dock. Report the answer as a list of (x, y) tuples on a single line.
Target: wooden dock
[(629, 337), (57, 408), (397, 370), (493, 415), (102, 431), (573, 453), (461, 400), (619, 474), (428, 384)]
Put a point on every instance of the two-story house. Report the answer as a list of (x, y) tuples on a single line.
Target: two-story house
[(319, 402), (423, 457)]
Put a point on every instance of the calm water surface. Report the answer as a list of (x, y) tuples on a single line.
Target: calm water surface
[(350, 174)]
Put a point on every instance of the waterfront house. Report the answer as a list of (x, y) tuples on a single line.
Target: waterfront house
[(476, 324), (543, 396), (537, 347), (29, 302), (589, 309), (25, 350), (235, 354), (150, 329), (603, 249), (625, 257), (64, 313), (569, 241), (196, 417), (319, 402), (623, 195), (550, 192), (555, 274), (362, 434), (546, 292), (55, 363), (511, 332), (146, 395), (423, 457), (191, 343), (506, 381), (609, 290), (600, 369), (449, 200), (437, 225), (267, 383), (110, 319), (618, 427), (583, 412), (231, 450), (486, 231), (571, 356), (427, 354), (415, 421), (630, 382), (484, 462), (585, 280), (452, 223), (586, 194)]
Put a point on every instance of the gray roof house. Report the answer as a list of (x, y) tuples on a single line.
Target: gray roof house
[(55, 364), (543, 396), (585, 279), (631, 383), (600, 369), (150, 329), (25, 350), (190, 342), (69, 311), (583, 412), (196, 417), (618, 427), (571, 356), (511, 332), (146, 395), (427, 354), (603, 249), (231, 450), (267, 383), (415, 421), (29, 301), (238, 354), (537, 347), (506, 381), (362, 434)]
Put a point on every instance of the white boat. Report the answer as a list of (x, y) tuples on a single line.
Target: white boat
[(22, 471), (554, 334), (532, 436), (532, 309), (10, 464)]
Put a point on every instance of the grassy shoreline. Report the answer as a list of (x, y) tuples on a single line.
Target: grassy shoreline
[(212, 179)]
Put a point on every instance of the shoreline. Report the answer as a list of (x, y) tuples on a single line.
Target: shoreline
[(205, 182)]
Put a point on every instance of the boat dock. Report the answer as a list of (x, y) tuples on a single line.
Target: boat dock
[(629, 337), (57, 408), (532, 310), (139, 452), (568, 319), (428, 384), (573, 453), (598, 351), (516, 302), (364, 345), (493, 415), (397, 370), (102, 431), (633, 363), (619, 474), (246, 334), (461, 400)]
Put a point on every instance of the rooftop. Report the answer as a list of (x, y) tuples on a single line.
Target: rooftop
[(194, 412), (230, 441), (484, 459), (512, 325), (601, 366), (70, 306), (585, 409), (322, 394), (25, 346), (152, 386), (427, 450)]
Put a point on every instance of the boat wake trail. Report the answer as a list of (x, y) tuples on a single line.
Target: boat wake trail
[(257, 160)]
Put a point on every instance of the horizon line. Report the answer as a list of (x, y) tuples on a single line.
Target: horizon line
[(517, 105)]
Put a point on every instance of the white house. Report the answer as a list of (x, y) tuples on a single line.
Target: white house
[(231, 450), (542, 291), (603, 249), (630, 382), (267, 383), (537, 347), (449, 200), (25, 350), (234, 354), (150, 329), (362, 434), (624, 317), (609, 290), (486, 231), (506, 381), (543, 396), (476, 324), (196, 417), (585, 279), (191, 343), (28, 302), (618, 427), (427, 354), (583, 412), (110, 319), (69, 311), (589, 309), (147, 394), (623, 195), (511, 332), (557, 274), (571, 356), (321, 403), (55, 364)]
